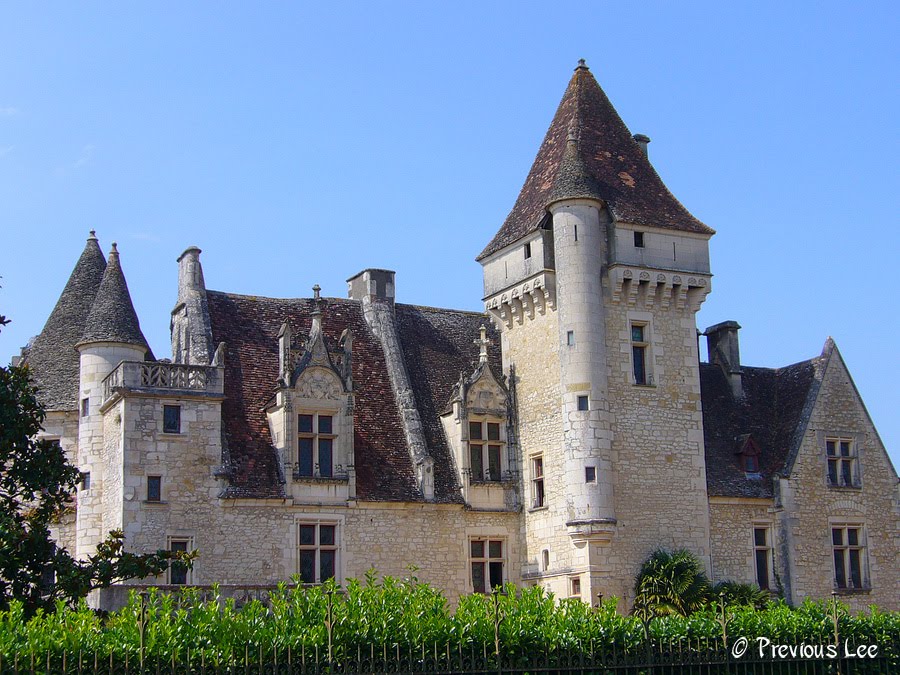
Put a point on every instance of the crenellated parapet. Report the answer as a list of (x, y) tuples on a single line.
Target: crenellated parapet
[(534, 295), (641, 287)]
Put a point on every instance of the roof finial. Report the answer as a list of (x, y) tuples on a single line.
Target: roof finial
[(316, 290), (582, 65), (114, 249), (483, 343), (93, 236), (572, 136)]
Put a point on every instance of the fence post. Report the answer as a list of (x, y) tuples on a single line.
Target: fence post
[(328, 623), (142, 624), (834, 620)]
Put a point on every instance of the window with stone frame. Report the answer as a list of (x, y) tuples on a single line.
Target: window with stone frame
[(171, 419), (843, 462), (640, 348), (486, 443), (316, 439), (538, 497), (849, 552), (487, 558), (318, 551), (762, 556), (179, 574)]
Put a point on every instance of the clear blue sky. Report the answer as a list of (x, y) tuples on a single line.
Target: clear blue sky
[(297, 143)]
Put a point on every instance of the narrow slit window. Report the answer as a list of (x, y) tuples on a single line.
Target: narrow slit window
[(570, 338), (527, 251), (590, 474), (582, 403), (154, 488)]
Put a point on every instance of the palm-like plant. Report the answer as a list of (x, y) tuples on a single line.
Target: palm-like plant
[(670, 582)]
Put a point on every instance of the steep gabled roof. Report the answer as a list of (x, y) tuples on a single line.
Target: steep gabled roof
[(112, 317), (52, 358), (619, 168), (773, 411)]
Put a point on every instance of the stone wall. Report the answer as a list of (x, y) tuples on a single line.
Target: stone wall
[(812, 507), (732, 550)]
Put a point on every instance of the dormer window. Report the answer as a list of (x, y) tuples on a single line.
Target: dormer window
[(485, 450), (748, 456), (315, 444)]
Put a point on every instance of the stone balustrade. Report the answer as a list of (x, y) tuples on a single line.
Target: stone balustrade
[(150, 375)]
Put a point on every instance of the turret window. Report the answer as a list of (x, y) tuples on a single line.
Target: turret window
[(315, 441), (171, 419), (639, 344), (485, 450)]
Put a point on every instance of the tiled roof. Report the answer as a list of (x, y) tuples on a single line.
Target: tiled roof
[(112, 317), (771, 411), (624, 177), (249, 327), (52, 358), (438, 346)]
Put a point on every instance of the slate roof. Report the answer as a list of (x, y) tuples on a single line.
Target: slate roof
[(624, 177), (438, 346), (52, 358), (772, 410), (112, 317)]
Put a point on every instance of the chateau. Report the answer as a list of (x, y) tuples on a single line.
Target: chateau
[(557, 439)]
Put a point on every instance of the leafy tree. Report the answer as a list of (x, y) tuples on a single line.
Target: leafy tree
[(37, 485), (670, 583), (734, 593)]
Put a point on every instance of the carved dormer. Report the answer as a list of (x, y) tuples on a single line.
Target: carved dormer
[(478, 425), (311, 414)]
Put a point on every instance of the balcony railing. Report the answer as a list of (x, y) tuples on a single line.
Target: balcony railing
[(137, 375)]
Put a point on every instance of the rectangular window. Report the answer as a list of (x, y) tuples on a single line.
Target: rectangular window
[(485, 451), (486, 558), (583, 403), (537, 482), (639, 240), (849, 556), (315, 445), (154, 488), (590, 474), (85, 480), (171, 419), (570, 338), (576, 587), (639, 352), (318, 552), (527, 251), (85, 406), (843, 462), (762, 552), (178, 572)]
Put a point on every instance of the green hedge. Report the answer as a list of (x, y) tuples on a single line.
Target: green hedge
[(405, 616)]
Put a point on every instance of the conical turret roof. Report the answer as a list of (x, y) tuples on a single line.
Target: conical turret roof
[(52, 358), (620, 171), (112, 317)]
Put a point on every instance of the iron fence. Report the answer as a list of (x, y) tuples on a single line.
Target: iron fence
[(701, 657)]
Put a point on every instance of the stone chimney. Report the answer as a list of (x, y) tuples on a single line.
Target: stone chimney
[(191, 329), (642, 141), (724, 351), (372, 285)]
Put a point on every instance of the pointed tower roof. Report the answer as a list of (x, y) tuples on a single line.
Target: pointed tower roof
[(52, 359), (112, 317), (613, 166)]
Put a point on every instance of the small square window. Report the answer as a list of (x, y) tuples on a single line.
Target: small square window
[(154, 488), (171, 419), (583, 403), (527, 251), (85, 406), (576, 587), (639, 240), (570, 338), (86, 480), (590, 474)]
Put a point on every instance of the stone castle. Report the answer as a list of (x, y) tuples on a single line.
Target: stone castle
[(557, 439)]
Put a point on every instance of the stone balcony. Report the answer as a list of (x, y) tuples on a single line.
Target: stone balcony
[(150, 377)]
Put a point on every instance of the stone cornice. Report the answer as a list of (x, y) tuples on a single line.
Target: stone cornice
[(645, 287), (533, 295)]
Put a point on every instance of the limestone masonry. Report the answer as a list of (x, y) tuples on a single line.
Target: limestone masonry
[(558, 438)]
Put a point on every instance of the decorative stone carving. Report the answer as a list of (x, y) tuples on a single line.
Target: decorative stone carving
[(319, 383)]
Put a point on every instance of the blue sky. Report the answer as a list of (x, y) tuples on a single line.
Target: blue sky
[(297, 143)]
